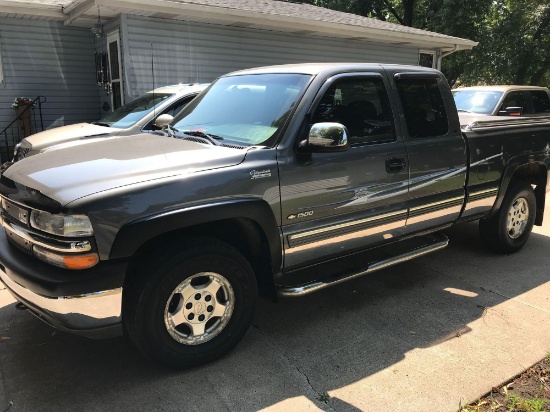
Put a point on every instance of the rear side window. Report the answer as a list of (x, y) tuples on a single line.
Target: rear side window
[(423, 107), (360, 104), (514, 99), (541, 101)]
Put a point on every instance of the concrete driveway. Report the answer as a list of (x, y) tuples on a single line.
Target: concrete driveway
[(422, 336)]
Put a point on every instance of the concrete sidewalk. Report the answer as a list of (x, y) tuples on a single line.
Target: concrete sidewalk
[(421, 336)]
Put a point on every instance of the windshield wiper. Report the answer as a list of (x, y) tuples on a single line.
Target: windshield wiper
[(211, 138), (102, 124), (462, 110)]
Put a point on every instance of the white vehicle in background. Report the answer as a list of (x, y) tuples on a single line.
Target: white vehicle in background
[(481, 103), (148, 113)]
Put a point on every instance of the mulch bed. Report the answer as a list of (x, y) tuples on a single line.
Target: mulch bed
[(527, 392)]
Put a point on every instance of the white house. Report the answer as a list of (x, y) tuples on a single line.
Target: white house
[(47, 47)]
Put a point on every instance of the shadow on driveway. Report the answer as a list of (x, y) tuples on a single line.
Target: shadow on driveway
[(298, 348)]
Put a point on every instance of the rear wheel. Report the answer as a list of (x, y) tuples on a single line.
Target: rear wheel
[(508, 230), (191, 306)]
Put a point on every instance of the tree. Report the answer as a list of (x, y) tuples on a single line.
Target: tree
[(514, 37)]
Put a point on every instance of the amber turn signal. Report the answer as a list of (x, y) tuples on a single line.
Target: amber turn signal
[(81, 261)]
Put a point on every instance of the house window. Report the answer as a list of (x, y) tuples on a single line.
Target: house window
[(113, 51), (1, 69), (426, 59)]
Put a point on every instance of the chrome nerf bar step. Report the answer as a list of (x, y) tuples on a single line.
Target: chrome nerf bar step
[(434, 242)]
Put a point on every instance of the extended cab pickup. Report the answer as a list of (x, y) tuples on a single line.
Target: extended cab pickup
[(275, 181)]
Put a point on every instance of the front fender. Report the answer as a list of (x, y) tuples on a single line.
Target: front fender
[(134, 234)]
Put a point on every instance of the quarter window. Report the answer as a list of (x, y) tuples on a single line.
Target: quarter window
[(423, 107), (362, 106)]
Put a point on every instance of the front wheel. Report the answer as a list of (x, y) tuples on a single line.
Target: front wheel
[(508, 230), (191, 306)]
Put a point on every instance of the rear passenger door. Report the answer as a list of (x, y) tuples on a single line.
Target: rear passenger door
[(437, 151)]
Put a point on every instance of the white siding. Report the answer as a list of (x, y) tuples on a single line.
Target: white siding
[(48, 59), (187, 52)]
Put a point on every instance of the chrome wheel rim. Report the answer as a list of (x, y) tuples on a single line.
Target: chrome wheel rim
[(199, 308), (518, 215)]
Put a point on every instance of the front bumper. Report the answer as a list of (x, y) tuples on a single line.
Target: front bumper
[(87, 302)]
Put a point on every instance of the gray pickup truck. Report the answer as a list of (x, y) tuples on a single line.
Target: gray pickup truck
[(276, 181)]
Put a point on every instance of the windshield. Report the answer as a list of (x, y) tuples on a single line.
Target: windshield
[(476, 101), (131, 113), (246, 110)]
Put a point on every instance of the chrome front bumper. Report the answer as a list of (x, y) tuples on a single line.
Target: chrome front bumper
[(94, 315)]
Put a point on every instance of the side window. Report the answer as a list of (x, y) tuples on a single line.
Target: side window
[(362, 105), (541, 101), (172, 111), (513, 99), (175, 109), (423, 107)]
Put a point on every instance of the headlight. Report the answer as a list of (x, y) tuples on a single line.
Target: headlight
[(62, 225)]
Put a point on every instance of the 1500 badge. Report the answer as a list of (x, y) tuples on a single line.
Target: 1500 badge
[(301, 214)]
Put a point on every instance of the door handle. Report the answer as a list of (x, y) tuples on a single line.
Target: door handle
[(395, 164)]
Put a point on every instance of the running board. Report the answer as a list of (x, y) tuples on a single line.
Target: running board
[(438, 241)]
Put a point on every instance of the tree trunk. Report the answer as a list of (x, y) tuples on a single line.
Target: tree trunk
[(537, 76), (408, 12)]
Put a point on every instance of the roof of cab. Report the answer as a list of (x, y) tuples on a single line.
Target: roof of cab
[(316, 68)]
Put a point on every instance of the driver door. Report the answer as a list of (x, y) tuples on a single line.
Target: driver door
[(336, 203)]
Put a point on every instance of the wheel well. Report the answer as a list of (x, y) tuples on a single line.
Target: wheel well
[(242, 234), (536, 175)]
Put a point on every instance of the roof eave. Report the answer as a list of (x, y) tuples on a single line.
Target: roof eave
[(49, 12), (278, 22), (76, 14)]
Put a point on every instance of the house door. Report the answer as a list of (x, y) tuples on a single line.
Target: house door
[(113, 51)]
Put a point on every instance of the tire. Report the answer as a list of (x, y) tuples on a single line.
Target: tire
[(190, 305), (508, 230)]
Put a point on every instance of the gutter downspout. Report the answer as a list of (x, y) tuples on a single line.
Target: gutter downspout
[(440, 57)]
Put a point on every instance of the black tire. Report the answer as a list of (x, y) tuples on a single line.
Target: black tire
[(497, 234), (152, 306)]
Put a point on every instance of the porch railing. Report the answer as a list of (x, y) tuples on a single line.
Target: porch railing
[(28, 121)]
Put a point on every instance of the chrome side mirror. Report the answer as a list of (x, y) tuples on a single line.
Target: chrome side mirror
[(163, 120), (325, 138)]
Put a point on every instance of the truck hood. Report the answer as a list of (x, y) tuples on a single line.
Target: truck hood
[(67, 133), (75, 172)]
